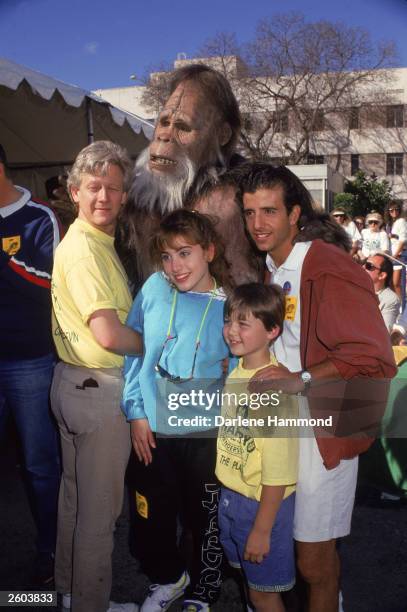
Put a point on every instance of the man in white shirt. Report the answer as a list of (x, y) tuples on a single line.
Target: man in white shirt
[(331, 312), (380, 270)]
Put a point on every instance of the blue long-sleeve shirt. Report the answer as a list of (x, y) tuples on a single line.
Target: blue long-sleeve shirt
[(150, 315), (29, 234)]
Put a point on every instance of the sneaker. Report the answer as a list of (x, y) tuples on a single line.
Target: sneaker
[(194, 605), (161, 596), (66, 601), (113, 606), (122, 607)]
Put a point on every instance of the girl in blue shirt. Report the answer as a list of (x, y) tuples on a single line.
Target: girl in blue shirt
[(179, 312)]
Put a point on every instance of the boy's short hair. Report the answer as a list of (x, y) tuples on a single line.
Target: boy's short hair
[(265, 302)]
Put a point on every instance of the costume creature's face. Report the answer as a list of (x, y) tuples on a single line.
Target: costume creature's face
[(186, 139), (186, 127)]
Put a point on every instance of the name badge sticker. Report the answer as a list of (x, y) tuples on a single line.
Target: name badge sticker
[(290, 307)]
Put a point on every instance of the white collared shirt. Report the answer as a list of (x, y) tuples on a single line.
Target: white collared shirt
[(288, 276)]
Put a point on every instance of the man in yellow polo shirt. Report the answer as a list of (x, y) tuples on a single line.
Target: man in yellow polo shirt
[(91, 300)]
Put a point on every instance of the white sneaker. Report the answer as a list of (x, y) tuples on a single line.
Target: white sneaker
[(161, 596), (113, 606), (194, 605), (122, 607)]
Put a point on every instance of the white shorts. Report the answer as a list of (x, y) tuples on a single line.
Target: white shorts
[(324, 498)]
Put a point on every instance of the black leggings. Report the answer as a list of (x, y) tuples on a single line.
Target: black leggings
[(179, 484)]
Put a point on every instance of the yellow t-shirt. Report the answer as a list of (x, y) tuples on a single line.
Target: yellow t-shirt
[(246, 459), (87, 276)]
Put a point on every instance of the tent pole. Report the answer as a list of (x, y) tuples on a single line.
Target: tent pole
[(89, 119)]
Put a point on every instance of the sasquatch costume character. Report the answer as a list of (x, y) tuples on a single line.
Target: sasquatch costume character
[(193, 145)]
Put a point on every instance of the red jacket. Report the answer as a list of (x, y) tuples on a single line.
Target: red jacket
[(341, 321)]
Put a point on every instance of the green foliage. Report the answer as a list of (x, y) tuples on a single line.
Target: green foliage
[(345, 201), (363, 194)]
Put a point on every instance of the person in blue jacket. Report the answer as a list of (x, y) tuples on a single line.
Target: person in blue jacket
[(29, 235), (179, 312)]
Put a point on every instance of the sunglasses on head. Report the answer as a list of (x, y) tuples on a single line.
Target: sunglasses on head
[(394, 208), (370, 267)]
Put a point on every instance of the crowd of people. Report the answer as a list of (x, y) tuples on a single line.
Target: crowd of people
[(380, 245), (297, 323)]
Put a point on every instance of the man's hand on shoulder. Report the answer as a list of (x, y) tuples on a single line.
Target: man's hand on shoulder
[(277, 378)]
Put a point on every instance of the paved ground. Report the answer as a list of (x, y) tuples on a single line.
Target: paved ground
[(374, 557)]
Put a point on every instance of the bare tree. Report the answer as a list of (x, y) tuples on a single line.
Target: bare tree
[(156, 87), (298, 82), (305, 77)]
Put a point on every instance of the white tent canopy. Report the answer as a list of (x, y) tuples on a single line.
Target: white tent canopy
[(44, 123)]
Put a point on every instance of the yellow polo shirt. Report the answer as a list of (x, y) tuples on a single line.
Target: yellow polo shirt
[(87, 277)]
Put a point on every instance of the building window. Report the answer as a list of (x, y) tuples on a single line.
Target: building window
[(354, 118), (395, 116), (394, 163), (354, 164), (281, 121), (315, 159)]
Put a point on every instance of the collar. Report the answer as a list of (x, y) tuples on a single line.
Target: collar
[(293, 261), (88, 228), (6, 211)]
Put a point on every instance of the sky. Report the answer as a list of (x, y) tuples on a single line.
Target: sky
[(100, 43)]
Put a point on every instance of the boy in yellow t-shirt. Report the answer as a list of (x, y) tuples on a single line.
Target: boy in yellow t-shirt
[(258, 474)]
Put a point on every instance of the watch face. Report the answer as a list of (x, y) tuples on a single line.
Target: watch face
[(306, 377)]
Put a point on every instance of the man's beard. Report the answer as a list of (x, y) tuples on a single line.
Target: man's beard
[(162, 192)]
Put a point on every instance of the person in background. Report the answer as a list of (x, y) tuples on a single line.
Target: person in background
[(380, 269), (91, 300), (29, 234), (359, 221), (396, 228), (343, 219), (374, 237), (399, 330)]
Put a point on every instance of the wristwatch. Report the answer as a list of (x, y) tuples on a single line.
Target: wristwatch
[(306, 379)]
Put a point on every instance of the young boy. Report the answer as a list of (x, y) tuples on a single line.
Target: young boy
[(258, 474)]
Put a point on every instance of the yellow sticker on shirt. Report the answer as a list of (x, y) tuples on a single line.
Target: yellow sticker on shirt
[(11, 245), (290, 307), (141, 505)]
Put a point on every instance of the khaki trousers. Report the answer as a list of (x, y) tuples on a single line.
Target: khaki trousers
[(95, 443)]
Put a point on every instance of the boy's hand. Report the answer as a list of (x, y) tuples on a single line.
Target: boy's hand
[(143, 439), (257, 546)]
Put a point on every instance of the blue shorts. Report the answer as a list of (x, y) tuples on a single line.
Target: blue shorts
[(237, 513)]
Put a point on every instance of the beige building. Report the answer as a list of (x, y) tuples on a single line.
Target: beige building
[(369, 133)]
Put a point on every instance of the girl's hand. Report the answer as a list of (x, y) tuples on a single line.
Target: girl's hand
[(143, 439), (257, 546)]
